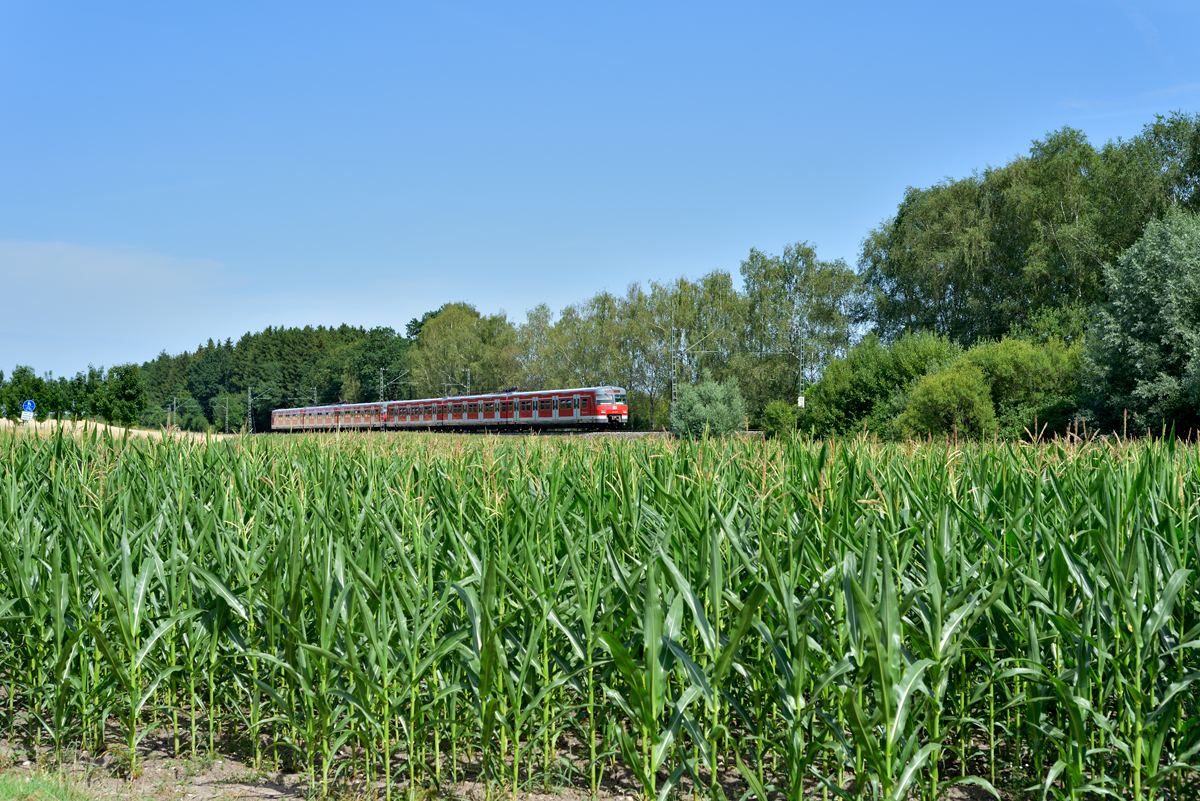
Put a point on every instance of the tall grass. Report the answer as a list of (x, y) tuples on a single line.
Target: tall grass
[(804, 618)]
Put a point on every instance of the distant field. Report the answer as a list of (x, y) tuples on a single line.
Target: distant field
[(86, 427), (607, 615)]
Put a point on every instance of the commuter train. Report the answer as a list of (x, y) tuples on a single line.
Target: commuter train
[(588, 407)]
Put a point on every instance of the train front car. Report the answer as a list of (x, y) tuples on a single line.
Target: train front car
[(610, 404)]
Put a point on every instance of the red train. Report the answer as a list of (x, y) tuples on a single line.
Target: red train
[(589, 407)]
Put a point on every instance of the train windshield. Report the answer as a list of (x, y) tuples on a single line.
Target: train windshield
[(619, 399)]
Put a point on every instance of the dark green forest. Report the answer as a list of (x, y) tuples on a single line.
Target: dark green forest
[(1060, 291)]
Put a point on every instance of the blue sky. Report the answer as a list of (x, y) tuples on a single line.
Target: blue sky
[(172, 172)]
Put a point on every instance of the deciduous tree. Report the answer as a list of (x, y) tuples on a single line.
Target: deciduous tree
[(1145, 343)]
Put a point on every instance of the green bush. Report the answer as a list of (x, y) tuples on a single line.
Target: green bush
[(780, 418), (955, 401), (870, 383), (708, 406), (1033, 387)]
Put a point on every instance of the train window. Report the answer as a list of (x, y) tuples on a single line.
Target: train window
[(472, 407), (583, 403), (619, 398), (545, 404), (458, 408), (489, 407)]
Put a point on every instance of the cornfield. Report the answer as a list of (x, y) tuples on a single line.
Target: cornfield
[(798, 619)]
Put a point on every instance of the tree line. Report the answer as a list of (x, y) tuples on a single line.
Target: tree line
[(117, 395), (1060, 289)]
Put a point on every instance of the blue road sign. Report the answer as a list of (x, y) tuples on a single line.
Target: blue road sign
[(29, 406)]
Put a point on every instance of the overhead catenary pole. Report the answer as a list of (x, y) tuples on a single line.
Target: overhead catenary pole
[(173, 409), (449, 382), (250, 399), (677, 356), (397, 380)]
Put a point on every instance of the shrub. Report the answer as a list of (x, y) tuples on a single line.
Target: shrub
[(708, 406), (780, 418), (952, 401), (1032, 386), (870, 383)]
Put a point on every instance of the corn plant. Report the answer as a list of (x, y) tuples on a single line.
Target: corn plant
[(848, 619)]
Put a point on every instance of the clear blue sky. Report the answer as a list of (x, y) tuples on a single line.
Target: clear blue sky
[(171, 172)]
